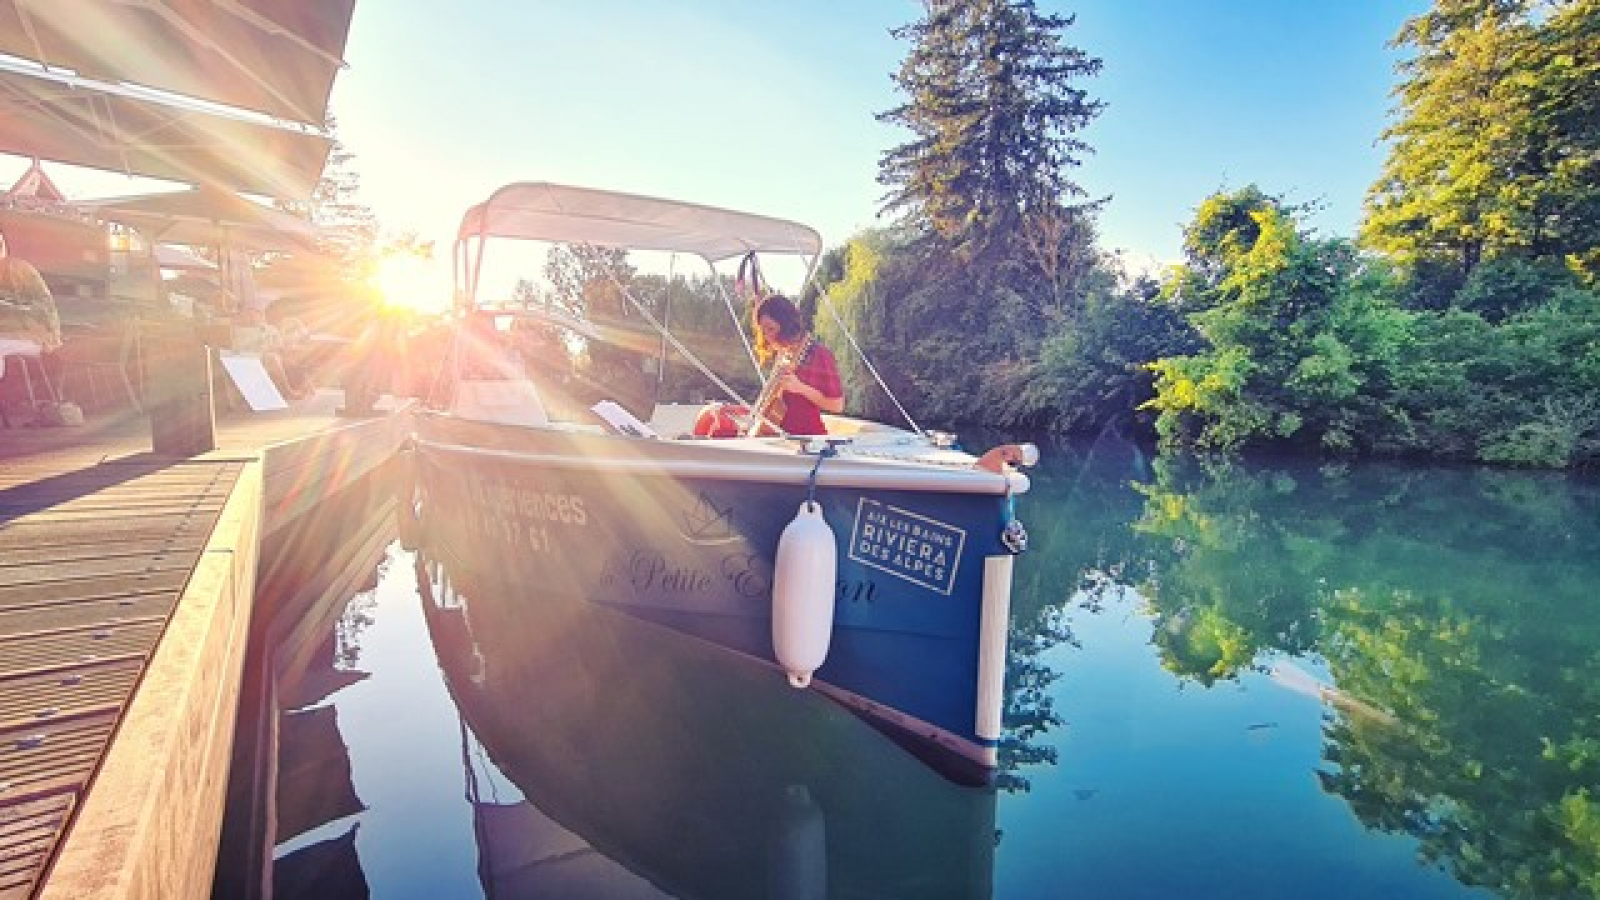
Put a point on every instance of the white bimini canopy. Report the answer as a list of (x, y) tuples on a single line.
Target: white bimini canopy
[(551, 212)]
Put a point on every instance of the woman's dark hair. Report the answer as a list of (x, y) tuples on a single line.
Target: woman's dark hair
[(782, 310)]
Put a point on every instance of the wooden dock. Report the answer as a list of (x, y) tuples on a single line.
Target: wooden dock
[(126, 589)]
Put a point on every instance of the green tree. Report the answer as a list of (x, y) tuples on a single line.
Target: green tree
[(1555, 183), (1306, 342), (1496, 149), (589, 283), (1302, 337), (1501, 288), (1092, 375), (696, 311), (348, 228), (994, 114), (994, 250), (333, 288), (854, 308)]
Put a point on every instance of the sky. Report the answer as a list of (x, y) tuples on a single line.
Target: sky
[(770, 107)]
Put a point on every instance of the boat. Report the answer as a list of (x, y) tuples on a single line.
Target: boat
[(873, 563), (605, 756)]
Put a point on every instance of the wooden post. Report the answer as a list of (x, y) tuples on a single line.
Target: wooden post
[(183, 419)]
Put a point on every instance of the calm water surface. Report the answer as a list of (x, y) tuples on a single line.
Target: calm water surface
[(1264, 680)]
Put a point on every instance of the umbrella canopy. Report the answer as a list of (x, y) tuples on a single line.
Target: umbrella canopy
[(277, 57), (124, 129), (230, 92), (208, 216), (200, 287), (177, 259)]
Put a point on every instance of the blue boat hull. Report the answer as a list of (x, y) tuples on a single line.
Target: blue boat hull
[(914, 624)]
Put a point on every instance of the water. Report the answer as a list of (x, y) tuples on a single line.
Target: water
[(1261, 680)]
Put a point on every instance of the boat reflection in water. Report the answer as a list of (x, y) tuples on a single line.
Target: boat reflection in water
[(654, 763)]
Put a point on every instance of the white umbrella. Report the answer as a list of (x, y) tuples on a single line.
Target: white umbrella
[(177, 259), (213, 216), (208, 216)]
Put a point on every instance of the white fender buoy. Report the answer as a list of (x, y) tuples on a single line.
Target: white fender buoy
[(802, 594)]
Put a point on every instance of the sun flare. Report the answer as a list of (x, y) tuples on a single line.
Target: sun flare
[(412, 282)]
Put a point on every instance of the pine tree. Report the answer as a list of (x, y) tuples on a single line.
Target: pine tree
[(994, 245), (994, 112), (348, 227), (333, 287)]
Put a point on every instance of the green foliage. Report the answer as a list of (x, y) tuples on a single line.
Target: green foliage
[(588, 283), (909, 308), (696, 309), (1503, 287), (1580, 824), (850, 277), (617, 356), (1225, 227), (1469, 335), (1091, 371), (1496, 150), (1202, 400), (1306, 345), (1026, 366), (1521, 393), (1552, 357), (993, 109), (991, 258), (1302, 336)]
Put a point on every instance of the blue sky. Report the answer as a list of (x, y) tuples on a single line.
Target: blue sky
[(770, 106)]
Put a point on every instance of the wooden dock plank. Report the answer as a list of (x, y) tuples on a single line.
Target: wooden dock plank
[(67, 554), (92, 563), (44, 531), (80, 613), (116, 589), (119, 613), (123, 568), (55, 649), (32, 695), (53, 753), (28, 832), (154, 506)]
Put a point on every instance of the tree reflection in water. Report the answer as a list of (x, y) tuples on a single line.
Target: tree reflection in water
[(1456, 615)]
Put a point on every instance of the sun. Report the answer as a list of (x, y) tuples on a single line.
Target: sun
[(412, 282)]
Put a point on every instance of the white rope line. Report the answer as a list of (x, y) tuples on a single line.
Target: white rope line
[(862, 355), (673, 340)]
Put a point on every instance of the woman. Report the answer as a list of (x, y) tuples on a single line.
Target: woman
[(808, 376), (27, 309)]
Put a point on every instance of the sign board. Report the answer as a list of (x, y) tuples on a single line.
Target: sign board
[(252, 380)]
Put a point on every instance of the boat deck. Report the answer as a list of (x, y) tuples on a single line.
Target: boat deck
[(102, 546)]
